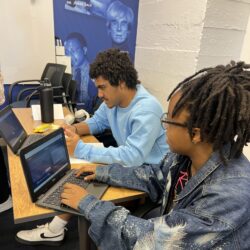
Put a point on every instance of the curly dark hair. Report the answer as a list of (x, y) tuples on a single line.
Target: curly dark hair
[(218, 101), (114, 65)]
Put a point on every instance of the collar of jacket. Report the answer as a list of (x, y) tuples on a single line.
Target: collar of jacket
[(207, 169)]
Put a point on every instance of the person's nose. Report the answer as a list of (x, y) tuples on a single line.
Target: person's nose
[(100, 94), (119, 27)]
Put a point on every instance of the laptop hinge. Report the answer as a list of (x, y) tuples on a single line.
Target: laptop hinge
[(41, 196)]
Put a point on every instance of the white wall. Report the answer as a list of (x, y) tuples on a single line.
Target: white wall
[(27, 38), (168, 42), (223, 34), (176, 38), (245, 52)]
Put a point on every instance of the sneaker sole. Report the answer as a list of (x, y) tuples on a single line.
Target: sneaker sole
[(5, 206), (46, 243)]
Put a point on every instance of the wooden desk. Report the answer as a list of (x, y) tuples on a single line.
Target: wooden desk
[(24, 210)]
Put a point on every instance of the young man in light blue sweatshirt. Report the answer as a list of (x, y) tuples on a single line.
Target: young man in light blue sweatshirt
[(132, 114), (128, 110)]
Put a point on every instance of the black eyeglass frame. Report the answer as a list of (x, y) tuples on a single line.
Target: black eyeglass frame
[(163, 120)]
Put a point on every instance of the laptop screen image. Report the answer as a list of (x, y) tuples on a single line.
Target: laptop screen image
[(11, 129), (45, 162)]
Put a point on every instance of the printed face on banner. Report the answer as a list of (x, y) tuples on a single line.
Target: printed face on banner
[(74, 49), (103, 24)]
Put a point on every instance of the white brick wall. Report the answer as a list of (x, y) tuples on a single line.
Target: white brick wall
[(219, 46), (245, 52), (227, 14), (223, 33), (176, 38), (168, 42)]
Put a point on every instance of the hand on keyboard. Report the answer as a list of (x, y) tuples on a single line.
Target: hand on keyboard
[(84, 174), (72, 194), (88, 173)]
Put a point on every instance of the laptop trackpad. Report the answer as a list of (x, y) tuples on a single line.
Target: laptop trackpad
[(97, 189)]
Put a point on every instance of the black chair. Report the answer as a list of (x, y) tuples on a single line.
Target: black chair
[(53, 72), (61, 95), (66, 81), (71, 95)]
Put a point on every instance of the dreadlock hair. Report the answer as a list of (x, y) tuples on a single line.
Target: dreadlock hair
[(114, 65), (218, 101)]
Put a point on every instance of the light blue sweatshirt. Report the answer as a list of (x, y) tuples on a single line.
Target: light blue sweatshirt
[(136, 129)]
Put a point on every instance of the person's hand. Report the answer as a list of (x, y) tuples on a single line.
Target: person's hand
[(69, 127), (87, 169), (71, 140), (72, 194)]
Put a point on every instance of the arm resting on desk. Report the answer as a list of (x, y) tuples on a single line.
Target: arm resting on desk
[(132, 151), (147, 178), (112, 227), (198, 221)]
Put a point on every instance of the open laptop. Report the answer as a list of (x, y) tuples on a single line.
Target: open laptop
[(13, 132), (46, 167)]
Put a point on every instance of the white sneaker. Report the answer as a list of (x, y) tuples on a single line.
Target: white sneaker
[(6, 205), (40, 236)]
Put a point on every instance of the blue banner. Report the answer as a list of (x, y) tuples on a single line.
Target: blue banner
[(87, 27)]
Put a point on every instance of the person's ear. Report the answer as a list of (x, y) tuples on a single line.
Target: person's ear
[(196, 135), (122, 84)]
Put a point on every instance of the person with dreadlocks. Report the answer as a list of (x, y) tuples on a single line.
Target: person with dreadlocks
[(202, 185)]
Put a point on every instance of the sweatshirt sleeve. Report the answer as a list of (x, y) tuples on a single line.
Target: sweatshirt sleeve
[(99, 122), (145, 129)]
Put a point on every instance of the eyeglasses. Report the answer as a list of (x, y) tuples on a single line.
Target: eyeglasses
[(165, 121)]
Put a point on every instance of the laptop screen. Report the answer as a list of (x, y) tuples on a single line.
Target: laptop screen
[(10, 128), (45, 161)]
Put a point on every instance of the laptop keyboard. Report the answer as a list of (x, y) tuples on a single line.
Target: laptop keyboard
[(55, 197)]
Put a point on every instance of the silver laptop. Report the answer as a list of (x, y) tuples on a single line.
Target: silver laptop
[(13, 132), (47, 168)]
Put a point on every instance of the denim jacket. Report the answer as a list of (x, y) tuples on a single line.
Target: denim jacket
[(211, 212)]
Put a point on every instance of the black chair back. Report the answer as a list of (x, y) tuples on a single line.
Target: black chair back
[(52, 71), (72, 95), (66, 82)]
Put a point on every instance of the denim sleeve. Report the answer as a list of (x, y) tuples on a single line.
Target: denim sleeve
[(213, 219), (147, 178), (187, 229), (112, 227), (99, 122)]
